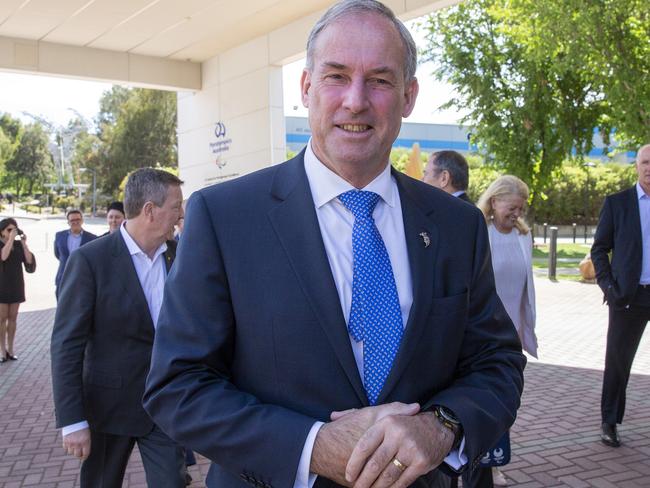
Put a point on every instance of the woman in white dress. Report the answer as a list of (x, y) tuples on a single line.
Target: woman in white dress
[(503, 205)]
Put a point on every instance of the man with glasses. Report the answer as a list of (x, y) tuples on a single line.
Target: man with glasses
[(67, 241)]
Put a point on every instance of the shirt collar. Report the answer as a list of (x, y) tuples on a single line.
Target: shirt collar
[(133, 247), (639, 191), (326, 185)]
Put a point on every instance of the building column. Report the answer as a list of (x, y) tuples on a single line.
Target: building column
[(235, 124)]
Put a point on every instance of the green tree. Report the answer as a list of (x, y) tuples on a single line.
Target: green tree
[(533, 83), (612, 40), (137, 128), (11, 127), (31, 164), (110, 105), (6, 151), (10, 134)]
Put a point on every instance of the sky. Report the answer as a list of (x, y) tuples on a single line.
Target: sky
[(52, 97), (49, 97)]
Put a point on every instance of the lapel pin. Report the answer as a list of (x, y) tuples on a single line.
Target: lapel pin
[(425, 238)]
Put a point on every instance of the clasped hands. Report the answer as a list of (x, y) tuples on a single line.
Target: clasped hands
[(359, 446)]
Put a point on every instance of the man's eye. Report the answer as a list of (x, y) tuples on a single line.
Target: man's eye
[(380, 81)]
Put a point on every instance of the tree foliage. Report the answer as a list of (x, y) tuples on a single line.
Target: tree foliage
[(615, 48), (536, 81), (137, 127), (31, 164), (10, 134)]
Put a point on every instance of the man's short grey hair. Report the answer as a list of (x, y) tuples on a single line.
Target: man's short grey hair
[(147, 185), (641, 149), (456, 164), (349, 7)]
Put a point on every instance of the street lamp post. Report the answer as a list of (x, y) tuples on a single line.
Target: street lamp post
[(94, 208)]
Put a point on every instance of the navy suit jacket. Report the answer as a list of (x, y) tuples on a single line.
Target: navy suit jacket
[(619, 231), (62, 253), (252, 346), (102, 340)]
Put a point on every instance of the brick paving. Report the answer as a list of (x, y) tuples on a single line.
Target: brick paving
[(555, 439)]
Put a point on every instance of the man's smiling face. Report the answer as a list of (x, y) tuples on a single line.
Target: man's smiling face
[(356, 93)]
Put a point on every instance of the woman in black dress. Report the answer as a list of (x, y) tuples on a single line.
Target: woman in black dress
[(13, 255)]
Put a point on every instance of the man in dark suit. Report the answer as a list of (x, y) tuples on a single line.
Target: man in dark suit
[(623, 229), (315, 333), (108, 308), (68, 241), (449, 171)]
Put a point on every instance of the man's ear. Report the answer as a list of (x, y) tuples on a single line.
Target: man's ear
[(410, 95), (147, 210), (445, 178), (305, 84)]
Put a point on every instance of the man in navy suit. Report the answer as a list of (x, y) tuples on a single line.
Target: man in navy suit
[(449, 171), (266, 357), (68, 241), (623, 229), (108, 308)]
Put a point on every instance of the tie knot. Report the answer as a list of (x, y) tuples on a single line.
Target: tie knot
[(360, 203)]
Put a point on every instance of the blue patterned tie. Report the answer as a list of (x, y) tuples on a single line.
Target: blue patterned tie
[(375, 315)]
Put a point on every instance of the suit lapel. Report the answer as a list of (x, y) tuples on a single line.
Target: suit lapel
[(636, 216), (170, 254), (296, 226), (124, 271), (418, 228), (65, 252)]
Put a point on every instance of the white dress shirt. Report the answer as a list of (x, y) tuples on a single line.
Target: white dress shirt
[(151, 274), (73, 242), (336, 222), (644, 213)]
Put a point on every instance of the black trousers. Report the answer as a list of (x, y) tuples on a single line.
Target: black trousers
[(163, 460), (624, 333), (479, 478)]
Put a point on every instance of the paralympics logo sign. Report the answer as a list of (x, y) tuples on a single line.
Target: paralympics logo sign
[(221, 145), (220, 130)]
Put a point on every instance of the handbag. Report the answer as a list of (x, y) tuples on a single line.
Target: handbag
[(499, 454)]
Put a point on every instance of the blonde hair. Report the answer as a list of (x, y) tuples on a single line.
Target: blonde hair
[(504, 186)]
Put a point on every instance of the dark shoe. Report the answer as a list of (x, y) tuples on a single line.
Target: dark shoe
[(3, 359), (12, 357), (609, 435)]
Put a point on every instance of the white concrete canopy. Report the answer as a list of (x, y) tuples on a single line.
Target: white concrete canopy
[(224, 57)]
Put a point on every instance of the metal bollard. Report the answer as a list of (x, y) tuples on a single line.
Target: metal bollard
[(545, 229), (574, 232), (552, 255)]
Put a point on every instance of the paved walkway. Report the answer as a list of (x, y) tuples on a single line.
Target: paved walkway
[(555, 438)]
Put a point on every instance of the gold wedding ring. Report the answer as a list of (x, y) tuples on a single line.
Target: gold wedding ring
[(399, 464)]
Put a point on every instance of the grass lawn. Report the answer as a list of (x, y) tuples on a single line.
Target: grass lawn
[(564, 251)]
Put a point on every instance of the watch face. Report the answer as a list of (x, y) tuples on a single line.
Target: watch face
[(448, 415)]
